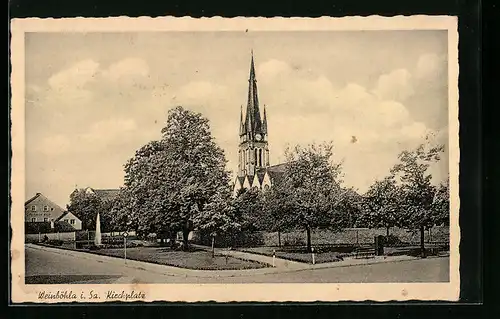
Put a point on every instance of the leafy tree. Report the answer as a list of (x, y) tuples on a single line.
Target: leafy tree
[(382, 204), (441, 203), (417, 192), (274, 216), (220, 217), (86, 206), (248, 203), (172, 180), (308, 191)]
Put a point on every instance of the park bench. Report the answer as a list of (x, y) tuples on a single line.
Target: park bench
[(364, 252)]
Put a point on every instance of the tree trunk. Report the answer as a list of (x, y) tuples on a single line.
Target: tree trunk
[(387, 231), (422, 245), (279, 239), (173, 237), (185, 238), (308, 231)]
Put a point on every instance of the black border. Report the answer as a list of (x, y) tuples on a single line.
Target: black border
[(471, 143)]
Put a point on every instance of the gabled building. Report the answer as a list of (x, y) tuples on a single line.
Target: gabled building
[(40, 209), (254, 169)]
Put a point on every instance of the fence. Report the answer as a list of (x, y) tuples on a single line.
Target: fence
[(76, 236), (65, 237), (355, 236)]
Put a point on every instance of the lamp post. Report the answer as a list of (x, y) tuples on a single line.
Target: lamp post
[(125, 234)]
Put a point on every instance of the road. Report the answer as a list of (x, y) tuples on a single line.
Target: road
[(58, 267)]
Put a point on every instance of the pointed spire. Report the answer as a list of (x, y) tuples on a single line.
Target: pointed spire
[(242, 125), (264, 122), (253, 122)]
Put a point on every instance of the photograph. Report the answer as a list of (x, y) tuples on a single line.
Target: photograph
[(210, 154)]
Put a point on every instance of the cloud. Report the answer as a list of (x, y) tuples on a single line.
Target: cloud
[(126, 68), (306, 109), (107, 131), (75, 77), (106, 113), (396, 85), (430, 66)]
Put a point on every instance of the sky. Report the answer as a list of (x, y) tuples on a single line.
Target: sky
[(93, 99)]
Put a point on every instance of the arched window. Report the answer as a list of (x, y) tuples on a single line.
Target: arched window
[(260, 157)]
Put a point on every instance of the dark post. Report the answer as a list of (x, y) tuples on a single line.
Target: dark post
[(213, 244), (380, 245), (422, 245)]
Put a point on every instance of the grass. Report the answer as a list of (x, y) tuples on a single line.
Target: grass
[(195, 259), (297, 255)]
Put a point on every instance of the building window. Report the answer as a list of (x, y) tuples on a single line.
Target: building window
[(33, 208), (33, 219), (72, 221), (66, 220), (45, 208), (255, 158), (45, 220), (260, 157), (52, 208)]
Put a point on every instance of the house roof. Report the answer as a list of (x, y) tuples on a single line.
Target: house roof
[(56, 213), (64, 215), (105, 194)]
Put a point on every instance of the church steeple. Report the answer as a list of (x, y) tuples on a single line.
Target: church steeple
[(253, 149), (253, 121)]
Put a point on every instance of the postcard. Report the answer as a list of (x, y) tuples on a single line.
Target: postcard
[(235, 159)]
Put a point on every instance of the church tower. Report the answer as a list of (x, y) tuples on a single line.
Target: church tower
[(253, 153)]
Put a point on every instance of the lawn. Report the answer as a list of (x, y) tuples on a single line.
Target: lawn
[(196, 259), (297, 255)]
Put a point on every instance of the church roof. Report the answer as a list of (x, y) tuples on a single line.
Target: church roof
[(107, 194)]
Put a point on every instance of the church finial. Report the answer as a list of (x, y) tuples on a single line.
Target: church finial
[(242, 124), (264, 122)]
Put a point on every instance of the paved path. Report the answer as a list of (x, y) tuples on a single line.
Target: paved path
[(52, 265), (279, 263)]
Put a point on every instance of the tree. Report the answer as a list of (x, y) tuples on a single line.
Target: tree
[(122, 216), (172, 180), (441, 203), (274, 216), (382, 204), (86, 206), (308, 191), (220, 217), (417, 192), (248, 204)]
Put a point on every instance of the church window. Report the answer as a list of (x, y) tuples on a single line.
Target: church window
[(255, 158), (260, 157)]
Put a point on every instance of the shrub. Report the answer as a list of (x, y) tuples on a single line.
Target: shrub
[(293, 241), (55, 242), (392, 241)]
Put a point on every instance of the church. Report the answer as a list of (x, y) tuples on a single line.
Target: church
[(254, 169)]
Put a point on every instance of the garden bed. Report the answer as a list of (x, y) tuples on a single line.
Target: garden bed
[(194, 259), (300, 255)]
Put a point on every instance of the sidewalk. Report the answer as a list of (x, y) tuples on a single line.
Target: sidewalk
[(281, 265)]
